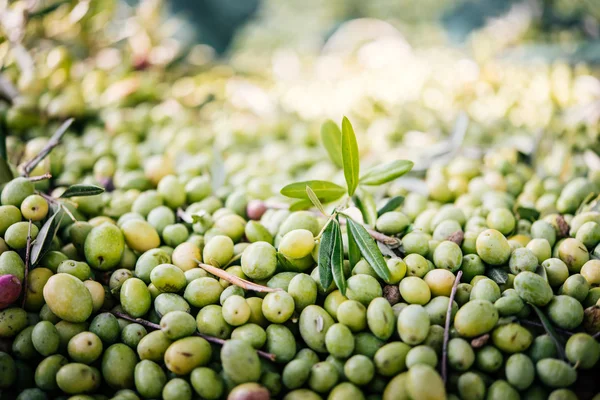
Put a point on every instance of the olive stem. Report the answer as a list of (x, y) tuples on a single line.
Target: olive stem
[(329, 219), (27, 262), (235, 280), (210, 339), (184, 216), (39, 178), (447, 328), (52, 143)]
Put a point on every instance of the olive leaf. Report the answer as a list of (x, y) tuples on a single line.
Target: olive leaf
[(325, 255), (498, 275), (353, 250), (369, 249), (44, 239), (300, 205), (82, 190), (217, 170), (285, 263), (556, 338), (386, 172), (2, 141), (541, 271), (326, 191), (6, 174), (530, 214), (366, 205), (350, 156), (337, 260), (391, 205), (331, 136), (315, 200), (386, 250)]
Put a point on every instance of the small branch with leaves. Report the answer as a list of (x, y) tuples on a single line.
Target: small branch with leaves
[(342, 147)]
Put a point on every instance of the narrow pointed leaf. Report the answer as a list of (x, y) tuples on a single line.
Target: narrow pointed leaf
[(325, 191), (6, 174), (350, 156), (325, 255), (217, 171), (314, 199), (353, 250), (300, 205), (386, 172), (331, 136), (530, 214), (391, 205), (365, 203), (82, 190), (337, 260), (556, 338), (498, 275), (284, 262), (44, 239), (369, 249)]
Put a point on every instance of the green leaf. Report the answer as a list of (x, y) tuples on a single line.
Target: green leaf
[(498, 275), (386, 172), (6, 174), (337, 260), (530, 214), (353, 250), (44, 239), (541, 271), (315, 200), (300, 205), (217, 171), (331, 136), (326, 191), (285, 263), (556, 338), (391, 205), (82, 190), (350, 156), (2, 140), (367, 207), (325, 255), (369, 249)]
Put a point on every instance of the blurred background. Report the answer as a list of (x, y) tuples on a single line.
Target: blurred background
[(418, 78)]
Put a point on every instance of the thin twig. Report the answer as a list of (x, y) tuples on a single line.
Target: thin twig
[(39, 177), (27, 262), (59, 203), (52, 143), (211, 339), (447, 327), (235, 280)]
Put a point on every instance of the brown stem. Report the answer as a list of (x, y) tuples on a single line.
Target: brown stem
[(52, 143), (39, 178), (210, 339), (236, 280), (27, 262), (447, 327)]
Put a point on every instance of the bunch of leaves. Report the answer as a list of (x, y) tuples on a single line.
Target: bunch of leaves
[(342, 148)]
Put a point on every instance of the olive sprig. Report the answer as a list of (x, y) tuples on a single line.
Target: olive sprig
[(342, 148)]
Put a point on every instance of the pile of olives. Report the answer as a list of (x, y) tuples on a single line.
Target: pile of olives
[(119, 305)]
